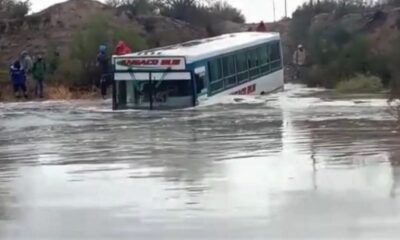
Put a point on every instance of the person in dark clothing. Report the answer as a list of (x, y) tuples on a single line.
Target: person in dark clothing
[(261, 27), (103, 65), (39, 70), (18, 79)]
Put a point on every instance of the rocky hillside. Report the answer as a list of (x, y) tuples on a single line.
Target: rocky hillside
[(55, 26), (380, 25)]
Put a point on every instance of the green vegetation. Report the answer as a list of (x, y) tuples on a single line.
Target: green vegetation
[(79, 68), (15, 8), (360, 84), (205, 14), (225, 11), (336, 49), (341, 50), (135, 7)]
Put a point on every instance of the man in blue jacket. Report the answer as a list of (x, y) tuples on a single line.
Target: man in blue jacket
[(103, 65), (18, 79)]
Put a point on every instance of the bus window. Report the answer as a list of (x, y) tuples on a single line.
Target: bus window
[(242, 67), (215, 70), (200, 82), (275, 55), (229, 70), (264, 59), (254, 63), (121, 93)]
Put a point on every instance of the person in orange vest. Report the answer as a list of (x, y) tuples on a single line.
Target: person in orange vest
[(122, 48)]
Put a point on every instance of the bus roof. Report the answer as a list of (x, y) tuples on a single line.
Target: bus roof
[(210, 47)]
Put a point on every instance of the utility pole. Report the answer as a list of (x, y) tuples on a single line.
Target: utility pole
[(285, 8), (273, 8)]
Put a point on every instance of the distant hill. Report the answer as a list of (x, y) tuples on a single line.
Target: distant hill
[(56, 24)]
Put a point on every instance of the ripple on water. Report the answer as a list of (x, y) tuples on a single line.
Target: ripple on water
[(251, 166)]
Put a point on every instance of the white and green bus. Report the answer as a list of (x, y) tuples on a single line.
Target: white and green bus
[(188, 74)]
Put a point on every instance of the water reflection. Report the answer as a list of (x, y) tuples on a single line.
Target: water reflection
[(395, 163), (232, 171), (8, 199)]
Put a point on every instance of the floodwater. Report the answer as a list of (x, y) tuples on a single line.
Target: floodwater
[(303, 164)]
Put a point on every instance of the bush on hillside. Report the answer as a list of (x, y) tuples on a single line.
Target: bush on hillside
[(334, 51), (201, 13), (135, 7), (360, 84), (15, 8), (337, 55), (69, 72), (299, 28), (192, 11), (225, 11), (79, 68)]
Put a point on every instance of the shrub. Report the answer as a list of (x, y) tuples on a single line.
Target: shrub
[(225, 11), (337, 55), (320, 76), (191, 11), (135, 7), (79, 68), (337, 52), (52, 58), (361, 84), (201, 13), (15, 8), (70, 71)]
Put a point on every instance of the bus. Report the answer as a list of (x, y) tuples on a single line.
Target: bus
[(198, 71)]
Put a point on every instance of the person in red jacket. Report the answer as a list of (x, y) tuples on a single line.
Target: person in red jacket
[(122, 48)]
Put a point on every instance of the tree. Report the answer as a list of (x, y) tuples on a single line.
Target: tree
[(15, 8), (79, 68), (225, 11), (135, 7)]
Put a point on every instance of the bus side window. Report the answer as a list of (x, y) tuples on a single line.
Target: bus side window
[(200, 80)]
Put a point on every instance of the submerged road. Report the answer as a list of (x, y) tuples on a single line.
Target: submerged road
[(303, 164)]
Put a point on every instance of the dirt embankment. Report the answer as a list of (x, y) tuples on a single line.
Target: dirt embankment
[(52, 92), (54, 27)]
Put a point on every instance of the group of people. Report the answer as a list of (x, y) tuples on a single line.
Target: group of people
[(22, 69), (26, 68)]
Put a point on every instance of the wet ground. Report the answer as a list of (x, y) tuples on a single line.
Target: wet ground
[(303, 164)]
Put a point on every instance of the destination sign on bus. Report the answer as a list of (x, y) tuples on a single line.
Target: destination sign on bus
[(144, 63)]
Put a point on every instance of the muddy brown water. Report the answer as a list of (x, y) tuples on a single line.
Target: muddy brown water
[(302, 164)]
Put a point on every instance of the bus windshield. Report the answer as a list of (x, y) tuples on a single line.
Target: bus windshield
[(155, 91)]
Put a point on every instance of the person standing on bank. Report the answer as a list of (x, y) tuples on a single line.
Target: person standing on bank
[(39, 70), (26, 62), (299, 60), (104, 69), (18, 79)]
